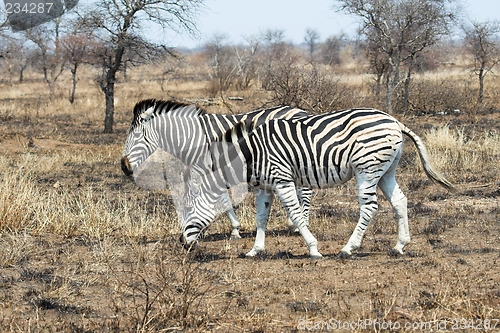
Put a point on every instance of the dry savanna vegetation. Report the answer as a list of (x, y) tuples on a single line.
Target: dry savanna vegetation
[(84, 249)]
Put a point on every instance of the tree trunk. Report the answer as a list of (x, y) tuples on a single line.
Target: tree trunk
[(378, 84), (21, 74), (109, 93), (407, 86), (73, 89), (108, 87), (125, 71), (389, 92), (481, 85), (392, 82), (52, 89)]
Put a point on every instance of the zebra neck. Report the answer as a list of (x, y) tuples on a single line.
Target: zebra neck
[(216, 125), (231, 162), (184, 138)]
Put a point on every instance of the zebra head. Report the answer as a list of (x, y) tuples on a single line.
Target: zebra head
[(174, 127), (198, 213), (141, 142), (204, 194), (206, 187)]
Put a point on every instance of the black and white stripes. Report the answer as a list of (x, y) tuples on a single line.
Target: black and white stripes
[(185, 131), (313, 152)]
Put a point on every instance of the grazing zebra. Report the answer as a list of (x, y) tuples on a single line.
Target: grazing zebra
[(183, 130), (314, 152)]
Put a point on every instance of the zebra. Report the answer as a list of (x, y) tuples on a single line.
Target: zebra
[(316, 152), (183, 131)]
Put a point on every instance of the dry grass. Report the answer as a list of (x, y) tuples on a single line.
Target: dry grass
[(91, 211), (461, 154), (83, 249)]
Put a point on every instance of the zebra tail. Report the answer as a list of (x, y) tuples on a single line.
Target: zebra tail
[(424, 158)]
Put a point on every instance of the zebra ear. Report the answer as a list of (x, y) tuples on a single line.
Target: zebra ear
[(146, 115)]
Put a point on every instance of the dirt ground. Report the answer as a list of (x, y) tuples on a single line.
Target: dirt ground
[(448, 279)]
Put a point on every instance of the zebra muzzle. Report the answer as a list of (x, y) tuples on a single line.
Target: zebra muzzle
[(187, 246), (126, 167)]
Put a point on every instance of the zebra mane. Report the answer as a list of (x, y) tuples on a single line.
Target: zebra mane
[(240, 130), (164, 106)]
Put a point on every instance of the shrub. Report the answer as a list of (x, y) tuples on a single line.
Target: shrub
[(440, 96), (309, 87)]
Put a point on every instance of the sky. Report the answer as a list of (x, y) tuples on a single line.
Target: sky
[(238, 19)]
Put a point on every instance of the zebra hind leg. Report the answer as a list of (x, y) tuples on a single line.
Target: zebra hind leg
[(288, 196), (264, 202), (398, 201), (367, 196)]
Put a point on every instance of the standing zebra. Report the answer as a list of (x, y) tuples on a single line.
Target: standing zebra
[(315, 152), (184, 130)]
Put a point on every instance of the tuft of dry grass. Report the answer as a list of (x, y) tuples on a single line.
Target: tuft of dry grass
[(462, 155)]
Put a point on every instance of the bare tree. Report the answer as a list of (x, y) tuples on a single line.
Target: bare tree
[(275, 44), (312, 39), (76, 48), (401, 28), (118, 24), (14, 55), (481, 41), (379, 64), (223, 64), (247, 58), (278, 59), (331, 48), (49, 56)]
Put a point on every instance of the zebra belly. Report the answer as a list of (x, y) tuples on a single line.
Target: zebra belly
[(322, 177)]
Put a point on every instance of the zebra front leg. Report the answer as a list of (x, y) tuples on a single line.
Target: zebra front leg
[(235, 223), (226, 203), (367, 196), (287, 194), (304, 194), (264, 199)]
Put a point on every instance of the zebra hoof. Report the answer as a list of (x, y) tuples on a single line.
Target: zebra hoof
[(395, 253), (252, 253), (235, 236), (316, 257), (344, 255)]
